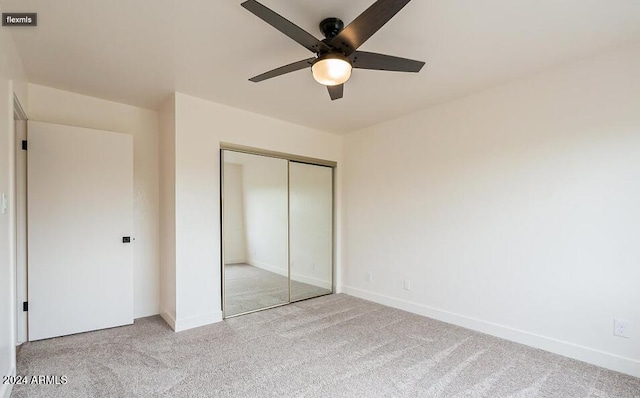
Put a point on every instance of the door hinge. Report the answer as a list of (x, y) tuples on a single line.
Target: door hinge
[(24, 145), (25, 306)]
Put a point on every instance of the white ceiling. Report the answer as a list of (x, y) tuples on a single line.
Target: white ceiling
[(139, 51)]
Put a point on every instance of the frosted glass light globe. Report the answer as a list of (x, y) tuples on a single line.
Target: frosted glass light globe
[(331, 69)]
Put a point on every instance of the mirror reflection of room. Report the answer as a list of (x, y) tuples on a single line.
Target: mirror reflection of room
[(255, 239), (277, 231)]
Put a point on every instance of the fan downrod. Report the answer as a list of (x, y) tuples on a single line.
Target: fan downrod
[(330, 27)]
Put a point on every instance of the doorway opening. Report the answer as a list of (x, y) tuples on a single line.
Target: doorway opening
[(20, 189)]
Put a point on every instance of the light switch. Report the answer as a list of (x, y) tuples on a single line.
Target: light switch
[(4, 203)]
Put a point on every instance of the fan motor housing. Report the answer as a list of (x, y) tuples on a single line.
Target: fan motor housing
[(330, 27)]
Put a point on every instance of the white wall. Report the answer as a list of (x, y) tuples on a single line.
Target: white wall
[(200, 127), (7, 252), (514, 211), (167, 121), (62, 107), (12, 80), (235, 249), (265, 204)]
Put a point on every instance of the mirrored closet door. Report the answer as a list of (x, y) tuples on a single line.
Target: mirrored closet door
[(311, 215), (277, 231)]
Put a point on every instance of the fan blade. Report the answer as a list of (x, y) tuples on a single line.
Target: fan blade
[(366, 60), (305, 63), (336, 92), (366, 24), (285, 26)]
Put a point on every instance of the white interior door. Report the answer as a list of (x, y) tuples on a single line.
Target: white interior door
[(80, 206)]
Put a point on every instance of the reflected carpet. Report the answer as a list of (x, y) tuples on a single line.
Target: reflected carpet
[(250, 288)]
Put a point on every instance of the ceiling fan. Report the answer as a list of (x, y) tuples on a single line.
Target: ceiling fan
[(337, 54)]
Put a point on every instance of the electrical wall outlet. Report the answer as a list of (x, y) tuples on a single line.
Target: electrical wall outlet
[(369, 276), (621, 328), (407, 284)]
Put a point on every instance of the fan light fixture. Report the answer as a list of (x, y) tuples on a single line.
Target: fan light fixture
[(331, 69), (335, 55)]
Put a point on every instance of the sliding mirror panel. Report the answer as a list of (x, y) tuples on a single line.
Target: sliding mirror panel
[(255, 223), (311, 226)]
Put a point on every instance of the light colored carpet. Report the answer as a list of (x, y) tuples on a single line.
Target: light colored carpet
[(332, 346), (250, 288)]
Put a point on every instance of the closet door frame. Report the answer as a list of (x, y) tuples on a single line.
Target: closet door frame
[(289, 158)]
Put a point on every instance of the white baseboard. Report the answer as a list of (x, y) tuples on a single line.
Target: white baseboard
[(235, 261), (170, 320), (596, 357), (183, 324), (5, 389), (295, 277), (311, 281), (146, 313), (269, 267)]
